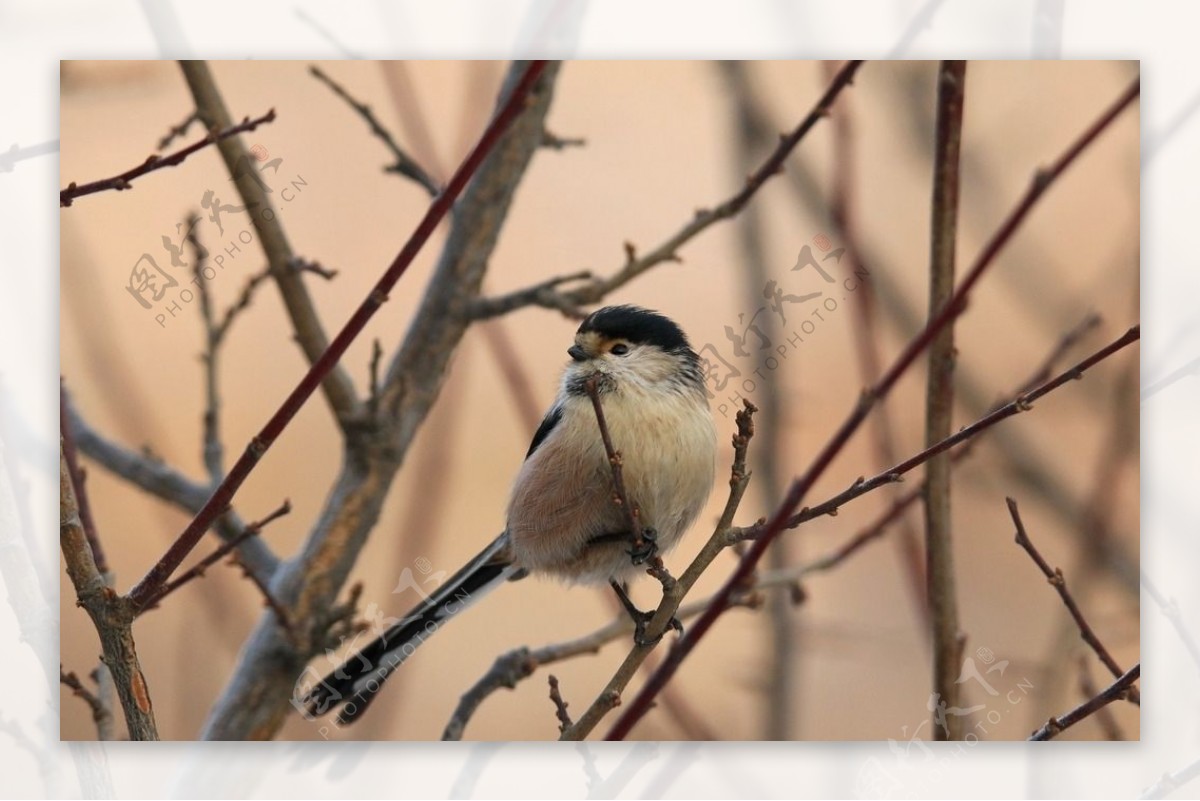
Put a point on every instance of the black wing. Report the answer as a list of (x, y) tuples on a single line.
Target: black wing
[(548, 423)]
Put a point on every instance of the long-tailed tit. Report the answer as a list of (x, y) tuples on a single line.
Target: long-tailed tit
[(562, 520)]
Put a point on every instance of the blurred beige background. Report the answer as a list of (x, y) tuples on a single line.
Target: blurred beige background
[(660, 143)]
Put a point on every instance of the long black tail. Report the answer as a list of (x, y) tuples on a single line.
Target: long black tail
[(353, 685)]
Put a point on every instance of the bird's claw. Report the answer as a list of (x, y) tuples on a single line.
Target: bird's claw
[(646, 548), (639, 630)]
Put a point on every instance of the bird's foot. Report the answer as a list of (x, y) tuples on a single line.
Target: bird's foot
[(644, 549), (642, 619)]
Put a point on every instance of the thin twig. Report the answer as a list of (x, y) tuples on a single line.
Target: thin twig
[(101, 714), (242, 303), (197, 570), (259, 445), (373, 394), (176, 131), (633, 515), (555, 142), (299, 265), (560, 706), (939, 400), (668, 250), (1105, 717), (405, 165), (78, 476), (1116, 691), (541, 294), (213, 450), (155, 162), (1055, 576)]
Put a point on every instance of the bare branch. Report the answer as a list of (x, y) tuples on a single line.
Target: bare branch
[(373, 395), (213, 450), (1116, 691), (405, 165), (1056, 579), (939, 400), (1104, 717), (155, 162)]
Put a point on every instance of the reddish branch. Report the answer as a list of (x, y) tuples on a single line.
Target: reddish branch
[(783, 516), (1055, 576), (155, 162), (259, 445)]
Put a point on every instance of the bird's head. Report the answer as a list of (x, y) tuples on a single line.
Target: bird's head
[(632, 346)]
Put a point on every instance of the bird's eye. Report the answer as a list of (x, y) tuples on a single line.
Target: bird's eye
[(620, 349)]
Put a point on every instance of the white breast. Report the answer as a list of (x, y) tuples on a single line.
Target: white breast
[(562, 499)]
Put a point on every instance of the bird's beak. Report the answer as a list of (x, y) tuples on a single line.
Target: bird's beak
[(577, 353)]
